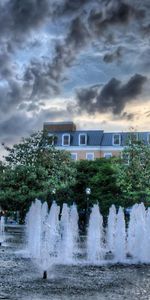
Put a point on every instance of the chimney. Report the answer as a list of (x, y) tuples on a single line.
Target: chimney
[(59, 126)]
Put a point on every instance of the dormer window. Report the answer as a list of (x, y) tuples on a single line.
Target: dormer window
[(148, 138), (66, 140), (82, 139), (116, 139)]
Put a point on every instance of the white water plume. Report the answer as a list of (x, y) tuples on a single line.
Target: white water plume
[(54, 239), (2, 229), (111, 228), (120, 237), (95, 247)]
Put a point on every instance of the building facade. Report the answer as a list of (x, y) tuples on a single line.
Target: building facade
[(89, 144)]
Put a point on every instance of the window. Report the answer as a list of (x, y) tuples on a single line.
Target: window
[(74, 156), (107, 155), (116, 139), (90, 156), (82, 139), (66, 139), (148, 138)]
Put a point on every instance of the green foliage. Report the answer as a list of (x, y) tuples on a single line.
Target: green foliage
[(100, 176), (134, 173), (29, 151), (32, 170)]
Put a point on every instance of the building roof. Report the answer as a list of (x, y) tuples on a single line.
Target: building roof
[(94, 137), (58, 123), (107, 139)]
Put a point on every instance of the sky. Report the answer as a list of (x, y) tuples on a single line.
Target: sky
[(86, 61)]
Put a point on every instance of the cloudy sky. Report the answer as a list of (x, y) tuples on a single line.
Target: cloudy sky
[(81, 60)]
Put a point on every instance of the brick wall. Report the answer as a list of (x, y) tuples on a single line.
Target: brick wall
[(81, 154), (59, 127), (115, 153)]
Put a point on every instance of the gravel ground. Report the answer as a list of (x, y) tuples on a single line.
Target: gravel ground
[(21, 279)]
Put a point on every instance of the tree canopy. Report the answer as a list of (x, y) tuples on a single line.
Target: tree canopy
[(34, 169), (134, 172), (100, 176)]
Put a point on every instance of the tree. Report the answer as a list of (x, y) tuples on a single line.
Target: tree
[(29, 151), (33, 169), (134, 172), (100, 176)]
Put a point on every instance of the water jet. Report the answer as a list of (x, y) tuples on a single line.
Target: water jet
[(54, 239), (2, 230)]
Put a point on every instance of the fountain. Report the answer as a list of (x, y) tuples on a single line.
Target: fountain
[(53, 236), (95, 247), (138, 234), (120, 237), (111, 228), (68, 234), (50, 240), (2, 230)]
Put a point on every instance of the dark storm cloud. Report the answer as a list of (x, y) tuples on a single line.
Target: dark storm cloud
[(10, 96), (66, 52), (42, 77), (45, 77), (127, 116), (84, 25), (11, 91), (20, 124), (14, 125), (38, 80), (115, 12), (70, 7), (112, 97), (78, 34), (18, 17), (146, 30), (124, 116), (28, 14), (114, 56), (6, 66)]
